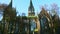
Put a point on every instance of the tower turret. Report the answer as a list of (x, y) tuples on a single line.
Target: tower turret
[(31, 9)]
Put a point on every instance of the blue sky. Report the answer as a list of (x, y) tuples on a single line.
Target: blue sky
[(22, 5)]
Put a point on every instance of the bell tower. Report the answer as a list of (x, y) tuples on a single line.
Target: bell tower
[(31, 9)]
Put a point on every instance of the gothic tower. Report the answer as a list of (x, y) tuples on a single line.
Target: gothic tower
[(6, 17), (31, 9)]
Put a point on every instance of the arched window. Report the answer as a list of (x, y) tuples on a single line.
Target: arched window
[(44, 24), (33, 25)]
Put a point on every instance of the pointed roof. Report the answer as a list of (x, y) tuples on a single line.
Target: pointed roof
[(9, 7), (31, 8), (10, 4), (44, 13), (31, 3)]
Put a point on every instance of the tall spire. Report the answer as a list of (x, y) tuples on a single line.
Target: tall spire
[(31, 3), (10, 5), (31, 8)]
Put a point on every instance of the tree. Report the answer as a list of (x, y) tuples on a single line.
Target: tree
[(55, 7)]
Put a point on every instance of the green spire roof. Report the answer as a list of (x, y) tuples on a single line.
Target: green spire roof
[(31, 8), (10, 4)]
